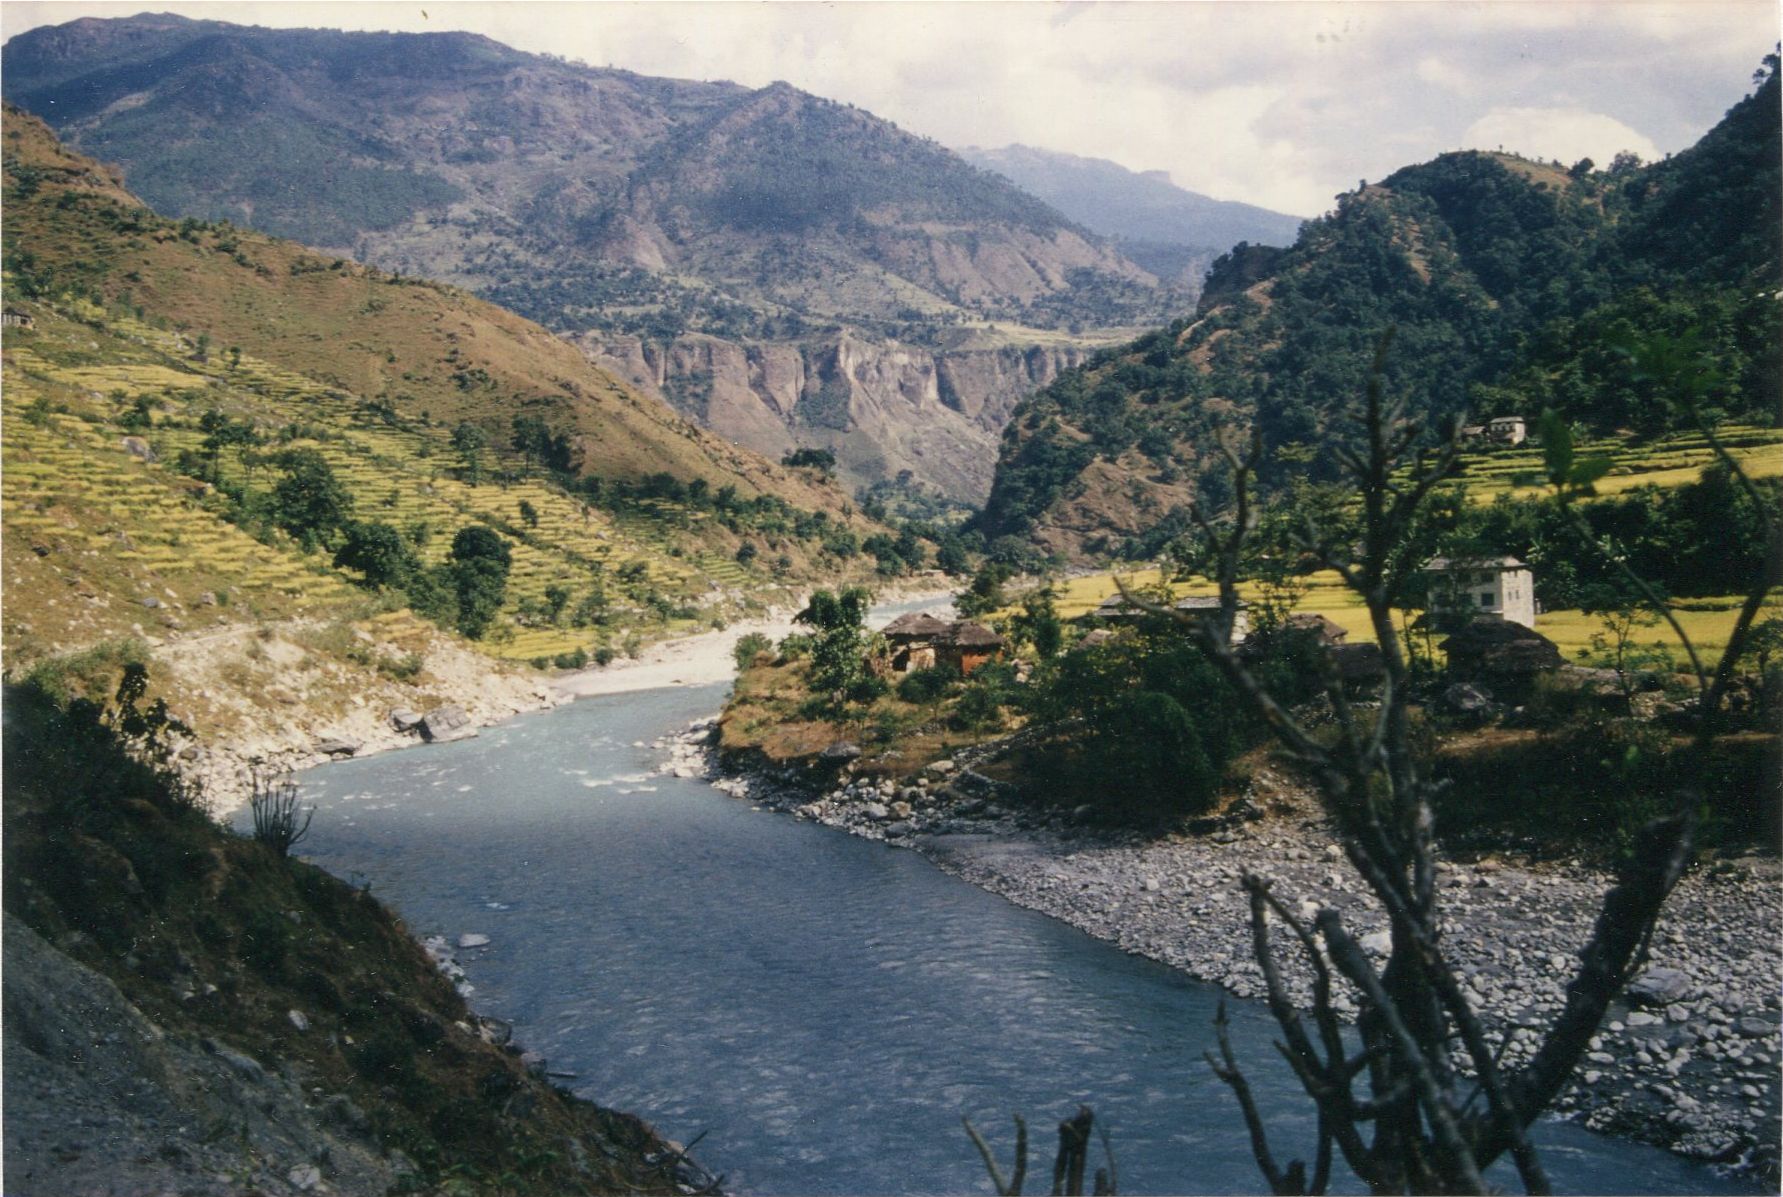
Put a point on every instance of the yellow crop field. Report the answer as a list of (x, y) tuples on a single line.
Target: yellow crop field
[(1708, 621)]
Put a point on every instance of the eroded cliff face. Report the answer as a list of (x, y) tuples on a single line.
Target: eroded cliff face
[(881, 406)]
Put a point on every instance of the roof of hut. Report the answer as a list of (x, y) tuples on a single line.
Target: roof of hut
[(1501, 646), (972, 635), (1318, 625), (917, 625)]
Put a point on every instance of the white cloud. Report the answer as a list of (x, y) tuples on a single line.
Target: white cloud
[(1567, 134), (1446, 75), (1281, 104)]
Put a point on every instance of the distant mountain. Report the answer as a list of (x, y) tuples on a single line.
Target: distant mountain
[(1163, 227), (600, 203), (1509, 283)]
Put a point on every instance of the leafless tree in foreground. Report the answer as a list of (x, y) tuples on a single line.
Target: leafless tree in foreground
[(1068, 1166), (1405, 1108)]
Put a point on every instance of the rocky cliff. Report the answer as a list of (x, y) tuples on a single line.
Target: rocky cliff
[(882, 406)]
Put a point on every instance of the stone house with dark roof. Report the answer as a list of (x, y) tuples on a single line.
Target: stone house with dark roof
[(920, 641)]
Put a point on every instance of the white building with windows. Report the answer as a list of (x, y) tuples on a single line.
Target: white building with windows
[(1501, 586), (1507, 430)]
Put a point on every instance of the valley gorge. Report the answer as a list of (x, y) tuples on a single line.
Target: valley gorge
[(882, 406)]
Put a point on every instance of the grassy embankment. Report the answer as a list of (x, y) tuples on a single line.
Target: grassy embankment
[(770, 718), (68, 476)]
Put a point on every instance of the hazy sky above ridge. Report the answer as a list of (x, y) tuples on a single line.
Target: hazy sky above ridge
[(1279, 103)]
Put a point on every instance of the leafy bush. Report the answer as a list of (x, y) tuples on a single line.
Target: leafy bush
[(749, 647), (86, 674), (1148, 710), (977, 708), (794, 647), (928, 685)]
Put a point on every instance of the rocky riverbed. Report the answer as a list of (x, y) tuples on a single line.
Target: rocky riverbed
[(1688, 1059)]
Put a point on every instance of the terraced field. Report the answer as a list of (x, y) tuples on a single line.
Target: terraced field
[(1668, 461), (145, 531)]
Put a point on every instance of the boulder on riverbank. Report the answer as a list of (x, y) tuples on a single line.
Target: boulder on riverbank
[(443, 724)]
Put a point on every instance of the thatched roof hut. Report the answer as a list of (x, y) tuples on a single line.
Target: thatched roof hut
[(1488, 646)]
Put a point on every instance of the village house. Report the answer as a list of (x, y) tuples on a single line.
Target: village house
[(1116, 609), (911, 639), (1507, 430), (1500, 652), (920, 641), (1464, 587), (1326, 630), (1501, 430), (13, 318), (968, 645)]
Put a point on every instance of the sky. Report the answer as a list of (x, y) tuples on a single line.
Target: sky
[(1272, 102)]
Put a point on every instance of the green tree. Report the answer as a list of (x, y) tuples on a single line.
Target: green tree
[(985, 594), (822, 460), (223, 432), (950, 557), (478, 565), (838, 649), (1038, 623), (309, 502), (529, 514), (557, 597), (469, 441), (530, 437), (378, 551)]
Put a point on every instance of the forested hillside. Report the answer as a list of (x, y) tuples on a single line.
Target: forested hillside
[(1510, 285)]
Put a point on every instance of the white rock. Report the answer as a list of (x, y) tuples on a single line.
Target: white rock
[(471, 939), (298, 1019)]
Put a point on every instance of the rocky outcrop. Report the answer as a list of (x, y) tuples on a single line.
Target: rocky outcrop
[(99, 1099), (882, 406)]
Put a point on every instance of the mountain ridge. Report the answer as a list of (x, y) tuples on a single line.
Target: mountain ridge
[(1172, 231), (1508, 282), (598, 202)]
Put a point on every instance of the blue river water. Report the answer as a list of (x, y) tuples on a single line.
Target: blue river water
[(824, 1008)]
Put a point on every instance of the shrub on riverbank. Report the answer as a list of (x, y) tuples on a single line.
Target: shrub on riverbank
[(1145, 729)]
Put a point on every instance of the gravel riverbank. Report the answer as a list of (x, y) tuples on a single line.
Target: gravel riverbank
[(1688, 1060)]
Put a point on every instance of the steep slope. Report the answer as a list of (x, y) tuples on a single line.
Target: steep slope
[(883, 407), (597, 202), (417, 346), (164, 380), (1171, 231), (1508, 284), (189, 1011)]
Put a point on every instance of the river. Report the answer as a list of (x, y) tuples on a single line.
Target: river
[(824, 1008)]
